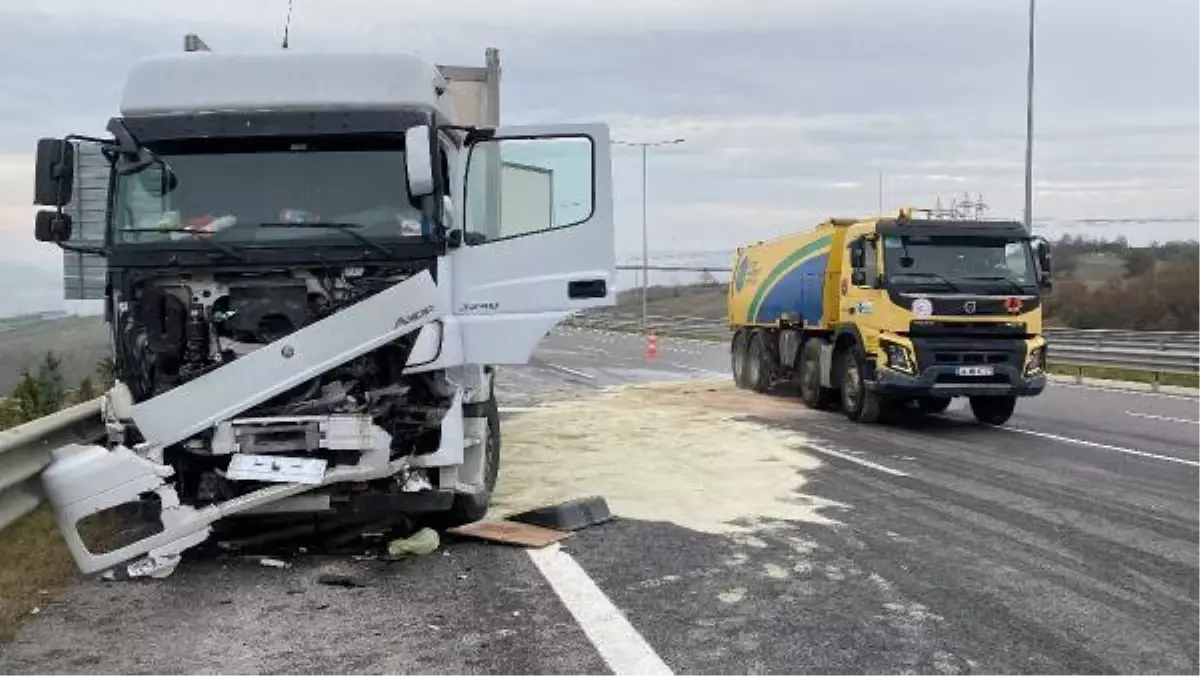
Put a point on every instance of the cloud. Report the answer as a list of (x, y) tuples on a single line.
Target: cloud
[(791, 110)]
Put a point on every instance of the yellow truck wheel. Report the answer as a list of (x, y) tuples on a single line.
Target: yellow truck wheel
[(759, 363), (993, 410), (858, 403), (737, 358), (809, 374)]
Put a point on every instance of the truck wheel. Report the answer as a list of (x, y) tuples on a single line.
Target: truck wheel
[(858, 403), (993, 410), (758, 364), (811, 392), (737, 357), (933, 405), (471, 507)]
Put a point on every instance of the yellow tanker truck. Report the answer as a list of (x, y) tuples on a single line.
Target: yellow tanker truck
[(883, 313)]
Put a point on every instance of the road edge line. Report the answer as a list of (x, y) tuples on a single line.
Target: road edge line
[(621, 647)]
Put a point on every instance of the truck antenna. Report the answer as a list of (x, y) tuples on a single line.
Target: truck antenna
[(287, 24)]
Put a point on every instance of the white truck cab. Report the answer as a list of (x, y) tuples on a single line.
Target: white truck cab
[(312, 264)]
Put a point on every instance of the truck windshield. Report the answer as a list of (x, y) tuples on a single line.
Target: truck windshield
[(229, 191), (957, 263)]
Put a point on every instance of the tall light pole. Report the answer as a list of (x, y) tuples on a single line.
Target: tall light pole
[(1029, 130), (645, 237)]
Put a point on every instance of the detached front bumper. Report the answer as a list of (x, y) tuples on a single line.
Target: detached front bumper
[(944, 381)]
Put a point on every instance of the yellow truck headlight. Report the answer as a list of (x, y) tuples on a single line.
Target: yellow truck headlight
[(1036, 362), (899, 357)]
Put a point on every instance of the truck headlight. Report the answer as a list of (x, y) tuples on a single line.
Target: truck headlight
[(1036, 362), (899, 357)]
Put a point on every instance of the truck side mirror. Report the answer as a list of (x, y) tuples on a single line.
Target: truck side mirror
[(418, 161), (54, 169), (858, 256), (52, 226), (1045, 270)]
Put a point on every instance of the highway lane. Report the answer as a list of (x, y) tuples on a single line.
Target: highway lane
[(963, 548), (958, 549)]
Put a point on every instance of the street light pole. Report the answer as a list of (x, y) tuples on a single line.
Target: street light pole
[(645, 232), (1029, 129)]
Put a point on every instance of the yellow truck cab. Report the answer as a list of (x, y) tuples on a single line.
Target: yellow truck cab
[(886, 313)]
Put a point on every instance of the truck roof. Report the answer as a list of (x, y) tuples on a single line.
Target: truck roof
[(199, 82), (951, 227)]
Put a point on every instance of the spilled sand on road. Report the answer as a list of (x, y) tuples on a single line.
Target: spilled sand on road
[(661, 452)]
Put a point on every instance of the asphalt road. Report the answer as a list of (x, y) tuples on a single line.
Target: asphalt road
[(1064, 542)]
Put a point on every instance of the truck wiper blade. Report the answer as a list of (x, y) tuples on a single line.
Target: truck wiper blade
[(999, 278), (941, 278), (198, 236), (348, 228)]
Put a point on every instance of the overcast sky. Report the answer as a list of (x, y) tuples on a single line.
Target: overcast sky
[(790, 108)]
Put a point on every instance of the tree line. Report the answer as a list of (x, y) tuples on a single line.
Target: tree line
[(44, 390), (1155, 290)]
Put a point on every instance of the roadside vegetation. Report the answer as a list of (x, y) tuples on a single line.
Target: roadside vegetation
[(35, 565), (1103, 284)]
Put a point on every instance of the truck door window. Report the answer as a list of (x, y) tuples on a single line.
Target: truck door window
[(520, 187), (867, 273), (870, 263)]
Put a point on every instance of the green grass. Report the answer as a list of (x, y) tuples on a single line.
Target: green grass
[(35, 567), (1128, 375)]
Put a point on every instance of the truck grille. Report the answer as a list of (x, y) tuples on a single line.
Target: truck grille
[(969, 358)]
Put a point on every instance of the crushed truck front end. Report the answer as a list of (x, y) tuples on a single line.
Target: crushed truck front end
[(305, 315)]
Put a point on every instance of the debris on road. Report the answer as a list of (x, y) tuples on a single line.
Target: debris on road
[(268, 562), (508, 532), (424, 541), (707, 458), (336, 580), (574, 515)]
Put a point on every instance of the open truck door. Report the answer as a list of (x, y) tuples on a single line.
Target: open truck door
[(534, 237)]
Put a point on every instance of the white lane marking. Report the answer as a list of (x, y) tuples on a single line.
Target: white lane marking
[(1095, 444), (1123, 390), (846, 456), (571, 371), (1166, 418), (589, 348), (619, 644), (685, 367)]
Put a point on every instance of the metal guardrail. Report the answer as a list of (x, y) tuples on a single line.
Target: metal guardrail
[(25, 452), (1155, 352), (25, 449)]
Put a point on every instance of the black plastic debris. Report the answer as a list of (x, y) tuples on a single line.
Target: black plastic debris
[(334, 580), (573, 515)]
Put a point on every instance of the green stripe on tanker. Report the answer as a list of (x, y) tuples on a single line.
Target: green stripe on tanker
[(793, 259)]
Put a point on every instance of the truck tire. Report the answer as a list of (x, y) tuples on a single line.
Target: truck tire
[(471, 507), (993, 410), (758, 364), (737, 357), (858, 403), (811, 393), (933, 405)]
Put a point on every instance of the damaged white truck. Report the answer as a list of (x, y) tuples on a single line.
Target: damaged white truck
[(313, 263)]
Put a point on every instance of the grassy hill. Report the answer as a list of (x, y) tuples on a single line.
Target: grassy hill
[(80, 342)]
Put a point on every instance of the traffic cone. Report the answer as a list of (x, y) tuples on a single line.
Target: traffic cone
[(651, 349)]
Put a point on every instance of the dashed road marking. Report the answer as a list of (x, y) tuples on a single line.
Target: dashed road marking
[(621, 647), (569, 371), (1096, 444), (1117, 389), (819, 448), (1165, 418)]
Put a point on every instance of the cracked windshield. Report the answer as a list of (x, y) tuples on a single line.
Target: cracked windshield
[(634, 337), (232, 193)]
